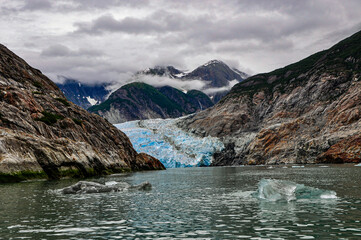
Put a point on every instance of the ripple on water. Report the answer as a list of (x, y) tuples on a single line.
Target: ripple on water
[(209, 203)]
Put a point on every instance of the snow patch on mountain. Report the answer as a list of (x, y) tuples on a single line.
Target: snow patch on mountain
[(213, 62), (92, 101)]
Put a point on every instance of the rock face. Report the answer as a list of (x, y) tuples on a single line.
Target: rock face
[(307, 112), (138, 101), (42, 134)]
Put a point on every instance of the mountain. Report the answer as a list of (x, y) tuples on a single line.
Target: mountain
[(137, 100), (84, 95), (216, 73), (218, 78), (167, 71), (42, 134), (306, 112)]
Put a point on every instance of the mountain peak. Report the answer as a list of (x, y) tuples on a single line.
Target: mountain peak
[(169, 71), (213, 62)]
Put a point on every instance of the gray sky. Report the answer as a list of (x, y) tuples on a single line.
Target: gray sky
[(94, 41)]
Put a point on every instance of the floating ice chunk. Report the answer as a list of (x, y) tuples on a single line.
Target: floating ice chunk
[(281, 190), (111, 183), (93, 187), (358, 165), (297, 166)]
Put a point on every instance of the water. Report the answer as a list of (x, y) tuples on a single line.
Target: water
[(188, 203)]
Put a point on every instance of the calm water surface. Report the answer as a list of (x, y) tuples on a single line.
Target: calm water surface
[(204, 203)]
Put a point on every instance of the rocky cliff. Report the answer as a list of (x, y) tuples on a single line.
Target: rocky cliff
[(44, 135), (307, 112), (138, 101)]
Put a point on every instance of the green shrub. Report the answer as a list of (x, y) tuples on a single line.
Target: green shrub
[(77, 121), (22, 176), (49, 118), (38, 84), (63, 101)]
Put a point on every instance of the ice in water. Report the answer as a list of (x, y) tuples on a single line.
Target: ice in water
[(281, 190), (174, 147)]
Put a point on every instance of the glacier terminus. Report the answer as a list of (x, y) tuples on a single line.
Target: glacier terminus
[(171, 145)]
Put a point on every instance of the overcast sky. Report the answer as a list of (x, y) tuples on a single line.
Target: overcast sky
[(95, 41)]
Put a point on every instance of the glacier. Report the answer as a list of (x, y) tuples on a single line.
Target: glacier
[(174, 147)]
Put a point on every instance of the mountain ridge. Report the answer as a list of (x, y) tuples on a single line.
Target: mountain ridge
[(85, 95), (137, 101)]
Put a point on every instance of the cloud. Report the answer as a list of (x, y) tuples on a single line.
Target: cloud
[(70, 5), (108, 23), (211, 91), (37, 5), (107, 41), (160, 81), (59, 50)]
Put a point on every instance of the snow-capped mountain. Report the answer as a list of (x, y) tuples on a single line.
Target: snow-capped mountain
[(216, 73), (163, 71), (218, 77), (214, 78), (84, 95)]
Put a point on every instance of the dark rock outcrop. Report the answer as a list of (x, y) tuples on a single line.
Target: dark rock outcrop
[(307, 112), (43, 134)]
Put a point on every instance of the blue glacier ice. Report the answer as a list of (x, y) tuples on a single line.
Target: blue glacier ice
[(174, 147)]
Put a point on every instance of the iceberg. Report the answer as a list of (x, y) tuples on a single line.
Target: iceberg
[(82, 187), (281, 190), (174, 147)]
